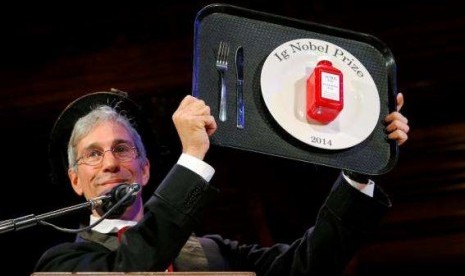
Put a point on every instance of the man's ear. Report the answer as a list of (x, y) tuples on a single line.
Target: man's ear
[(145, 172), (74, 182)]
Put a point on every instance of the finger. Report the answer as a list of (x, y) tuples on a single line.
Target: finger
[(205, 110), (400, 101), (198, 110), (199, 107), (186, 101), (397, 125), (195, 105), (393, 116), (399, 136), (210, 125)]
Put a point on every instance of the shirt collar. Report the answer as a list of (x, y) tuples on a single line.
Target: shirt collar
[(110, 225)]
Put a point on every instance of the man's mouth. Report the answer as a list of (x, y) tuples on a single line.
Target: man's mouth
[(110, 184)]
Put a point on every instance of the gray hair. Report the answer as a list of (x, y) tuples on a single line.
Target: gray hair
[(99, 115)]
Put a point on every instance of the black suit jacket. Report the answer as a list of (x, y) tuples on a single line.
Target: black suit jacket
[(164, 237)]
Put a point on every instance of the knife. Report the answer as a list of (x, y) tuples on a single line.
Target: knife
[(239, 87)]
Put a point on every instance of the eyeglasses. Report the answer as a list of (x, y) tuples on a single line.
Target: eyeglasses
[(94, 157)]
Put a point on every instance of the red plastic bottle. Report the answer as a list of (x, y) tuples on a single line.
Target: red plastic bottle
[(325, 95)]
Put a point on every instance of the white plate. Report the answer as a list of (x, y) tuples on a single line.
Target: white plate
[(283, 83)]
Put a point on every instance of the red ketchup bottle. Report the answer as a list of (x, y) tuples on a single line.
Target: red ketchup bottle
[(325, 97)]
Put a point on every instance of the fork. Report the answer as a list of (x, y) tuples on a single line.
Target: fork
[(222, 67)]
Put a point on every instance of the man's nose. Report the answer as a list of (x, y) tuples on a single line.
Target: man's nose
[(109, 161)]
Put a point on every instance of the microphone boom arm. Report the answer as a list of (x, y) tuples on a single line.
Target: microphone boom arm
[(32, 220)]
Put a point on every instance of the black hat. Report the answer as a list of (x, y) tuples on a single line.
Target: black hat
[(61, 131)]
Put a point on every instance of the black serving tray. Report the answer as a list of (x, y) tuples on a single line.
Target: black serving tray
[(259, 34)]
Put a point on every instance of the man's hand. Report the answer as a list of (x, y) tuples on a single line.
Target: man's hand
[(397, 124), (194, 125)]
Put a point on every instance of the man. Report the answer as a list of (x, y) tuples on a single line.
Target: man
[(105, 150)]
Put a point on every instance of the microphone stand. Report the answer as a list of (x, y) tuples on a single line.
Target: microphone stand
[(32, 220)]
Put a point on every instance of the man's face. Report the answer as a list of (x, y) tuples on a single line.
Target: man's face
[(92, 181)]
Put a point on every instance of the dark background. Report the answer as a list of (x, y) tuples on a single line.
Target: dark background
[(50, 55)]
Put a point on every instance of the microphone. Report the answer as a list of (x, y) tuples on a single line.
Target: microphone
[(118, 199)]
